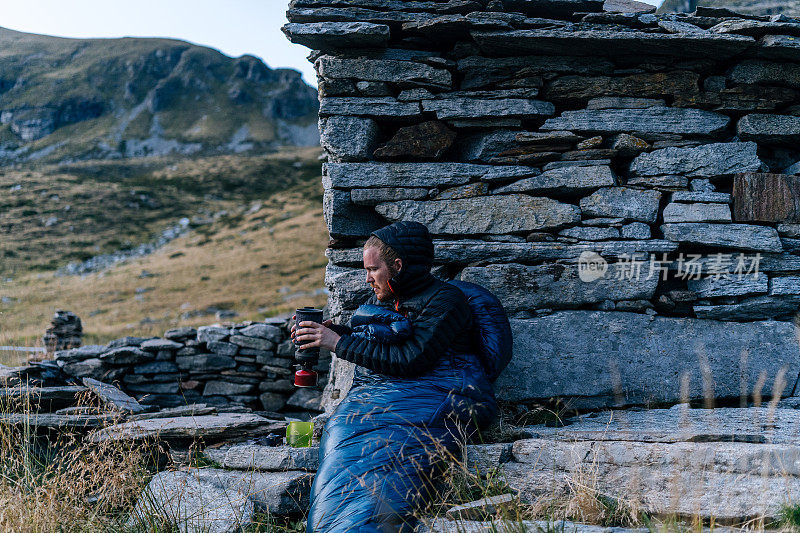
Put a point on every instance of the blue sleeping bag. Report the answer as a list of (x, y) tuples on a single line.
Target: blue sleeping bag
[(386, 441)]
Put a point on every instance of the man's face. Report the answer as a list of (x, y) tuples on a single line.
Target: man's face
[(378, 274)]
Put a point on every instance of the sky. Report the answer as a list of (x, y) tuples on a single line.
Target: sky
[(235, 27)]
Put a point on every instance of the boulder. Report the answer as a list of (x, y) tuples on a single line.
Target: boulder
[(212, 333), (494, 214), (219, 501), (599, 359)]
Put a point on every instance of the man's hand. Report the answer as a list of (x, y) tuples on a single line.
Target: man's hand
[(312, 335)]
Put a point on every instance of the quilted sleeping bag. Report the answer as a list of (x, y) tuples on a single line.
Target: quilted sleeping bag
[(422, 387)]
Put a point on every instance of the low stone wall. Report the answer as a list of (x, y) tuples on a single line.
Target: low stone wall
[(625, 182), (250, 364)]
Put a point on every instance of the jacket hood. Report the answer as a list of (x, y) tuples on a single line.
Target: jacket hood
[(413, 243)]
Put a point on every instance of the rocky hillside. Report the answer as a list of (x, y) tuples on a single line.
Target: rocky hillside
[(790, 8), (77, 99)]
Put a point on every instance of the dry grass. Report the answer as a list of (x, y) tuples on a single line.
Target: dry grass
[(258, 264), (65, 485)]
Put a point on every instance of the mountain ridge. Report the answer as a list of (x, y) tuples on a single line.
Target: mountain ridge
[(69, 99)]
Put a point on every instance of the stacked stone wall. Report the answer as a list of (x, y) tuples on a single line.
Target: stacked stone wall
[(625, 182), (249, 364)]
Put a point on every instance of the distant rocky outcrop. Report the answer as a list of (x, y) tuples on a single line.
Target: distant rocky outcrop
[(71, 99)]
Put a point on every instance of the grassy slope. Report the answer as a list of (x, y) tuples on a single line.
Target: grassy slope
[(257, 263)]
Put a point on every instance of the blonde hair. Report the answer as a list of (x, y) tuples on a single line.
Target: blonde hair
[(385, 252)]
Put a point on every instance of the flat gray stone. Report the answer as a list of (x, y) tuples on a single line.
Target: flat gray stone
[(126, 355), (253, 343), (226, 388), (349, 138), (731, 286), (264, 458), (425, 175), (640, 121), (263, 331), (635, 230), (623, 102), (201, 363), (59, 421), (769, 129), (590, 233), (348, 287), (113, 397), (610, 43), (556, 286), (738, 236), (346, 219), (780, 285), (377, 107), (766, 72), (623, 202), (326, 35), (701, 196), (578, 179), (755, 308), (730, 481), (80, 354), (482, 508), (407, 74), (156, 345), (475, 108), (705, 161), (463, 252), (372, 197), (492, 214), (212, 333), (696, 212), (213, 427), (599, 358), (434, 7)]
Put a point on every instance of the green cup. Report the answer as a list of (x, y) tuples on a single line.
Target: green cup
[(298, 434)]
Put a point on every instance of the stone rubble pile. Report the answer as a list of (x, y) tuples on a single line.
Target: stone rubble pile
[(65, 332), (611, 174)]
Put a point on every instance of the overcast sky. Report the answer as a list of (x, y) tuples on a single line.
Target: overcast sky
[(234, 27)]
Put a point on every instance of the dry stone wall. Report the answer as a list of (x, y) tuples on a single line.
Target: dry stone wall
[(249, 364), (625, 182)]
